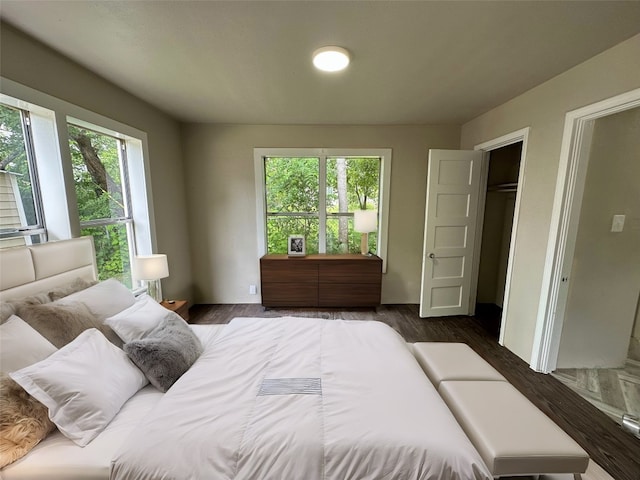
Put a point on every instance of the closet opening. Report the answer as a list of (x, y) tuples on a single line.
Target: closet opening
[(499, 208)]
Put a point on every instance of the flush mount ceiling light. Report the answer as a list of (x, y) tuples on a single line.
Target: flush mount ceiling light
[(331, 59)]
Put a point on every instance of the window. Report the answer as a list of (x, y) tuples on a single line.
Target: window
[(314, 193), (102, 191), (21, 219), (97, 186)]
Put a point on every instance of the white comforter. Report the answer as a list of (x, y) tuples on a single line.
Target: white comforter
[(293, 398)]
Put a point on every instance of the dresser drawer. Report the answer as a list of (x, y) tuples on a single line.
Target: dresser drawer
[(350, 272), (289, 295), (288, 271), (348, 294)]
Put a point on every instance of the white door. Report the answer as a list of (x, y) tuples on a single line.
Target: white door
[(453, 185)]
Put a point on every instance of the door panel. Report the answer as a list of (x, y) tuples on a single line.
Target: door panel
[(453, 184)]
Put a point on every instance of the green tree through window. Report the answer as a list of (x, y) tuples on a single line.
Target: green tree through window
[(102, 192), (293, 187)]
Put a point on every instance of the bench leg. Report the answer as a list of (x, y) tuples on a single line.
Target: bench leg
[(577, 476)]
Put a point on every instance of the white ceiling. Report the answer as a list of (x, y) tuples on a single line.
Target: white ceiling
[(250, 62)]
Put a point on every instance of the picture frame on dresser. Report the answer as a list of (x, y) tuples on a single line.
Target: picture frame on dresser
[(296, 246)]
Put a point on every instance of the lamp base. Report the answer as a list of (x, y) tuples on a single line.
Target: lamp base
[(154, 290), (364, 243)]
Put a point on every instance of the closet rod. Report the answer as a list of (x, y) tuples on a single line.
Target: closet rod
[(503, 190), (504, 187)]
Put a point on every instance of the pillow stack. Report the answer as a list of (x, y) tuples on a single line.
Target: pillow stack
[(66, 368), (24, 421), (83, 385), (158, 341), (29, 343)]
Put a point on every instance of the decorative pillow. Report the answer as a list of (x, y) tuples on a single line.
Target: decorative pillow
[(24, 421), (104, 299), (60, 324), (83, 385), (77, 285), (138, 320), (166, 352), (21, 345), (11, 307)]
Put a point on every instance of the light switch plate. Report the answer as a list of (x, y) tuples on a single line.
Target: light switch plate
[(618, 223)]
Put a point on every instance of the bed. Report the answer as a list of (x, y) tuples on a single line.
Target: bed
[(265, 398)]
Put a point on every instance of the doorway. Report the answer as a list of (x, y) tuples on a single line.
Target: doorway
[(574, 159), (596, 356), (455, 269), (499, 208)]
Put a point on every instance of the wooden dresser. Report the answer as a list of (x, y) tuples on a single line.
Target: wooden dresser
[(349, 280)]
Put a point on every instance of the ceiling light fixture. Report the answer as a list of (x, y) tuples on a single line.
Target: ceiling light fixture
[(331, 59)]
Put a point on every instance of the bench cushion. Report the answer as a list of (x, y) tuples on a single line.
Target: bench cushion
[(511, 434), (452, 361)]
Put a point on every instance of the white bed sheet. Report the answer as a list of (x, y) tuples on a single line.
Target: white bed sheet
[(58, 458), (293, 398)]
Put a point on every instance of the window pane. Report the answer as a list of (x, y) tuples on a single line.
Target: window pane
[(339, 228), (292, 184), (279, 228), (353, 183), (112, 251), (17, 202), (98, 175)]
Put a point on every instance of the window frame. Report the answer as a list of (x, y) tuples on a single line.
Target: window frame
[(259, 154), (127, 219), (40, 227)]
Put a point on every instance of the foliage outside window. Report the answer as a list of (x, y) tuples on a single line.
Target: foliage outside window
[(102, 191), (21, 220), (316, 197)]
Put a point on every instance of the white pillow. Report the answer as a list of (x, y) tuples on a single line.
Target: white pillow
[(138, 320), (103, 299), (84, 385), (21, 345)]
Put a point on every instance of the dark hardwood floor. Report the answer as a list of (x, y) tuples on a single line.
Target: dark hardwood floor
[(617, 451)]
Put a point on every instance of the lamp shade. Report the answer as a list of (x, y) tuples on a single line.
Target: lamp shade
[(365, 221), (150, 267)]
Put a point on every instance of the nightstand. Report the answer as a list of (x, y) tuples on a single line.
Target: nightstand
[(181, 307)]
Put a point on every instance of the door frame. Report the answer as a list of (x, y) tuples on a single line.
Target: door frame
[(574, 159), (521, 135)]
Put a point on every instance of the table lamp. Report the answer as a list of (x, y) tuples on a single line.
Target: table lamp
[(150, 269), (365, 221)]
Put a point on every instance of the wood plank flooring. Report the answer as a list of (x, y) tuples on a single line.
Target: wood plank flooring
[(617, 451)]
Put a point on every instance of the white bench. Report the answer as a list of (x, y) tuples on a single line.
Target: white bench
[(511, 434), (452, 361)]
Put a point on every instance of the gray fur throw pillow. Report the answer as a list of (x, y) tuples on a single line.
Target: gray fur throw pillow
[(166, 352), (60, 324)]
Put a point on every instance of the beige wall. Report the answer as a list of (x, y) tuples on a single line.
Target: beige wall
[(636, 325), (222, 203), (30, 63), (605, 275), (543, 108)]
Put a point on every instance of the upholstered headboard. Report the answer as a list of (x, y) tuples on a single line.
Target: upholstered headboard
[(26, 271)]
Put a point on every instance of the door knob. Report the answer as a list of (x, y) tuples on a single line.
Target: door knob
[(431, 255)]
